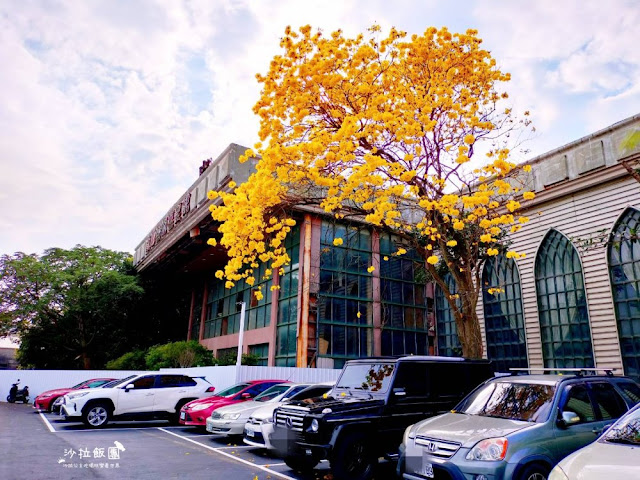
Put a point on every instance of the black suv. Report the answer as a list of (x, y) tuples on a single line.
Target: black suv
[(366, 413)]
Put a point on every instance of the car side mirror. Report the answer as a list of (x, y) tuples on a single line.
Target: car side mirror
[(245, 396), (568, 419), (129, 387)]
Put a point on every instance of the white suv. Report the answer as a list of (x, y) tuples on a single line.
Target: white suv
[(145, 396)]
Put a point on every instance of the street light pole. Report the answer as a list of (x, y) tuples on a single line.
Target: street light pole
[(241, 335)]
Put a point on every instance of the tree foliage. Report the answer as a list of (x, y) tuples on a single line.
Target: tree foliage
[(178, 355), (382, 130)]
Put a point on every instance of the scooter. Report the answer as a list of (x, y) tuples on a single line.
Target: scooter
[(18, 394)]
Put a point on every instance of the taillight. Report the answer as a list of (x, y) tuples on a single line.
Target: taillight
[(210, 389)]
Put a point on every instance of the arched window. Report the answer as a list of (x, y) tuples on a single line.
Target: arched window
[(562, 304), (503, 318), (624, 268), (446, 331)]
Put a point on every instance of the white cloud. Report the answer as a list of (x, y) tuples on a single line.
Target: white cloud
[(110, 106)]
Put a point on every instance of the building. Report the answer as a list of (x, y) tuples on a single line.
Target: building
[(574, 300), (329, 307)]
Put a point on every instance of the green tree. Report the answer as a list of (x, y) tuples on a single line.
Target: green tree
[(70, 308), (179, 355)]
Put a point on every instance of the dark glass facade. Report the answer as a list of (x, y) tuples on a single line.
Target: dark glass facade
[(503, 317), (446, 330), (287, 327), (562, 304), (624, 268), (405, 307), (345, 293)]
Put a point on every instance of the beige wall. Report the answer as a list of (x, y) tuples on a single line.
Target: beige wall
[(601, 199)]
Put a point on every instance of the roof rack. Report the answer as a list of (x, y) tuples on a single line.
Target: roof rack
[(578, 371)]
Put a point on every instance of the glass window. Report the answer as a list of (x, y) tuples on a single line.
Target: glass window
[(144, 382), (262, 352), (626, 430), (166, 381), (446, 330), (624, 270), (578, 402), (197, 314), (271, 393), (369, 377), (229, 392), (562, 305), (403, 299), (344, 303), (287, 326), (631, 390), (609, 402), (503, 318)]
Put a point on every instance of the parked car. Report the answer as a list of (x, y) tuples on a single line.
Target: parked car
[(231, 420), (145, 396), (45, 400), (374, 400), (616, 454), (516, 427), (259, 426), (196, 413)]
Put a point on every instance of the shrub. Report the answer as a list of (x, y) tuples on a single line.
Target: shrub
[(129, 361), (178, 355)]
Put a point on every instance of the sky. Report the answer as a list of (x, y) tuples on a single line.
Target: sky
[(110, 107)]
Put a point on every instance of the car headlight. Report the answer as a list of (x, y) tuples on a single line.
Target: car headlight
[(315, 426), (230, 416), (491, 449), (73, 396), (45, 395), (558, 474), (408, 435), (199, 406), (267, 420)]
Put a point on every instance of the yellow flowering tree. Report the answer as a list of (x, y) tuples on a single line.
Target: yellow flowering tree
[(381, 129)]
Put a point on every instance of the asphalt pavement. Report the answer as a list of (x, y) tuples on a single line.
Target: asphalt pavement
[(36, 445)]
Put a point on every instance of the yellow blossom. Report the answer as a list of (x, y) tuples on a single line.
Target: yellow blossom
[(337, 241), (528, 195), (432, 260), (212, 241), (452, 243), (371, 269)]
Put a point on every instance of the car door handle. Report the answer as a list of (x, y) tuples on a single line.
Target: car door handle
[(597, 431), (149, 395), (181, 391)]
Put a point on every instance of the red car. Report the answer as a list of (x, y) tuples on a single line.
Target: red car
[(196, 412), (45, 400)]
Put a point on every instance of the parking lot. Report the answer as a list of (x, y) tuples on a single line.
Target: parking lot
[(43, 446)]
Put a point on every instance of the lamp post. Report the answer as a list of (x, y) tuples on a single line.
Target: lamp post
[(241, 333)]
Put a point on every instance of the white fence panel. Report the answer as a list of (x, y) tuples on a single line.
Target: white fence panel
[(292, 374), (39, 381)]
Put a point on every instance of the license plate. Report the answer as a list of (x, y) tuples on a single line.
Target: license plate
[(250, 433), (427, 470), (183, 415)]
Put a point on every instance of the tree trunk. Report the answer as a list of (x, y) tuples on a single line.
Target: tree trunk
[(466, 317)]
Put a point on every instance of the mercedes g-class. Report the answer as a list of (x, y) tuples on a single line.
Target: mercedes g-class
[(365, 414)]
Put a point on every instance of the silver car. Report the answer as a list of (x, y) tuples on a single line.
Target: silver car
[(515, 427), (616, 454)]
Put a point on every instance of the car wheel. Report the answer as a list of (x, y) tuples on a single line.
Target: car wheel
[(353, 457), (50, 409), (534, 472), (301, 464), (96, 415)]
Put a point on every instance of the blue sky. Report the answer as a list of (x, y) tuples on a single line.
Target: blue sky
[(109, 107)]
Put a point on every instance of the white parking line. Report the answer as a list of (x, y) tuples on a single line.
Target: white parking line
[(46, 422), (237, 446), (219, 451)]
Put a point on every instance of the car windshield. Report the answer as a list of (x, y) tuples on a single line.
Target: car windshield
[(80, 384), (272, 393), (626, 430), (232, 390), (372, 377), (118, 382), (529, 402)]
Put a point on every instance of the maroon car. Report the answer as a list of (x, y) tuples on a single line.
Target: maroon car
[(45, 400)]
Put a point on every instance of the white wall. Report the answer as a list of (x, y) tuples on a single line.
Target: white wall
[(39, 381)]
